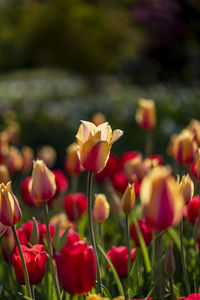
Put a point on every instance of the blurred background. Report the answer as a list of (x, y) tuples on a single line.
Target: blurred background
[(64, 60)]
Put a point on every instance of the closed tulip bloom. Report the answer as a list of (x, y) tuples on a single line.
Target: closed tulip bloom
[(126, 157), (136, 169), (72, 162), (76, 268), (10, 212), (35, 259), (101, 208), (14, 160), (195, 167), (119, 259), (98, 119), (109, 170), (162, 201), (4, 143), (169, 265), (61, 182), (94, 144), (43, 182), (193, 209), (146, 232), (119, 182), (184, 147), (26, 191), (128, 199), (75, 205), (95, 297), (146, 114), (27, 155), (187, 188), (8, 244)]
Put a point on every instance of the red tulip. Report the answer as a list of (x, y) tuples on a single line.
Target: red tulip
[(158, 159), (109, 170), (61, 182), (191, 297), (75, 205), (76, 267), (119, 259), (126, 157), (193, 209), (35, 259), (119, 182), (146, 231), (26, 191), (146, 299)]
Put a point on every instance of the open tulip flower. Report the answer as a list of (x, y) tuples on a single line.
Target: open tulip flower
[(94, 144)]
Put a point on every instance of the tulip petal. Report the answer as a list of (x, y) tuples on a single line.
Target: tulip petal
[(84, 130), (116, 135)]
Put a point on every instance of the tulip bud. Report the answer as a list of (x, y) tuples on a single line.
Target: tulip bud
[(60, 219), (170, 148), (13, 132), (43, 182), (169, 266), (146, 114), (8, 244), (162, 201), (128, 199), (27, 154), (98, 119), (94, 144), (34, 238), (187, 188), (4, 174), (184, 148), (101, 208), (72, 162), (10, 212), (48, 155)]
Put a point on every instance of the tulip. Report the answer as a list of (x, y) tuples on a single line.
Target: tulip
[(4, 143), (72, 162), (126, 157), (27, 155), (76, 267), (43, 182), (194, 128), (195, 167), (128, 199), (119, 182), (4, 174), (8, 244), (14, 160), (35, 259), (119, 259), (48, 155), (161, 199), (135, 169), (169, 265), (10, 212), (184, 147), (13, 132), (109, 170), (186, 188), (156, 159), (61, 182), (146, 114), (191, 297), (61, 220), (95, 297), (146, 232), (101, 208), (75, 205), (94, 144), (98, 119), (26, 191), (193, 209)]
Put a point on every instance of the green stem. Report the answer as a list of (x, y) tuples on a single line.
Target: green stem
[(183, 260), (171, 289), (158, 266), (115, 275), (26, 277), (129, 252), (91, 229), (100, 229), (143, 247), (33, 291), (50, 251)]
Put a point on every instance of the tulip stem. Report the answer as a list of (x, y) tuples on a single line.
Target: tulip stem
[(183, 260), (129, 252), (143, 247), (33, 291), (158, 266), (171, 288), (100, 229), (91, 229), (50, 251), (26, 277)]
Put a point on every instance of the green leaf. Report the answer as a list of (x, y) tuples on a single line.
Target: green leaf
[(3, 233), (106, 292), (62, 240), (34, 239)]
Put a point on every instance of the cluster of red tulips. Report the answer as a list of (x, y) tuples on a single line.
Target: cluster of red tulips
[(112, 245)]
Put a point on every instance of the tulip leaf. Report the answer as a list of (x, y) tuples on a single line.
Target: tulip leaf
[(134, 279), (62, 240), (3, 233), (106, 292), (115, 275), (174, 236)]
